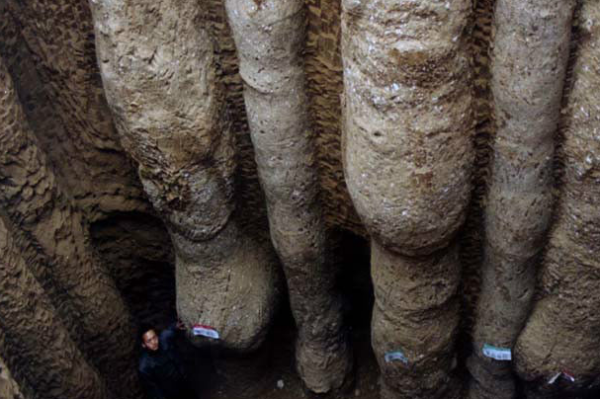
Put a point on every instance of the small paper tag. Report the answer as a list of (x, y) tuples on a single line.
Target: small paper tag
[(553, 379), (205, 331), (502, 354), (393, 356), (565, 374), (568, 376)]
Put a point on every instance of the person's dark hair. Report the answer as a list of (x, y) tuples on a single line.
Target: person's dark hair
[(143, 329)]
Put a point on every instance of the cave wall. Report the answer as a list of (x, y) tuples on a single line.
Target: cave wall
[(9, 388)]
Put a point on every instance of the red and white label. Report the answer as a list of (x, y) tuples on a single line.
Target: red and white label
[(554, 378), (205, 331), (565, 374), (569, 376)]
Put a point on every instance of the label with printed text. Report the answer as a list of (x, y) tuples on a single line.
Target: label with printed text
[(397, 355), (554, 378), (205, 331), (568, 376), (493, 352)]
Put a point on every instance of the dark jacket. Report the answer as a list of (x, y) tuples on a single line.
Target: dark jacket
[(161, 371)]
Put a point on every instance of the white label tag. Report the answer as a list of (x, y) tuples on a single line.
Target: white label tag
[(205, 331), (565, 374), (392, 356), (568, 376), (502, 354), (553, 379)]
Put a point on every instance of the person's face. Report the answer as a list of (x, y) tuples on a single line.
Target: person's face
[(150, 340)]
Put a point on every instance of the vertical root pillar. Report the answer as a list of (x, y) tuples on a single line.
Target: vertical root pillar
[(530, 54), (407, 159), (415, 322), (159, 75), (561, 335), (269, 36)]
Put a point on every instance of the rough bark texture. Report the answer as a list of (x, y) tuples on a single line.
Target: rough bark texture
[(269, 36), (530, 54), (562, 332), (35, 343), (407, 159), (51, 233), (158, 69), (87, 153), (416, 313)]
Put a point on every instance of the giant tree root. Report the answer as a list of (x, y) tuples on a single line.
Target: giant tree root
[(407, 159), (269, 36), (416, 316), (561, 335), (159, 75), (530, 54)]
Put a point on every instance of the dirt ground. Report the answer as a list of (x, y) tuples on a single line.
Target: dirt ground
[(279, 380)]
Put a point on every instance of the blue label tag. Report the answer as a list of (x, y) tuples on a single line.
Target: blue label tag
[(502, 354), (397, 355)]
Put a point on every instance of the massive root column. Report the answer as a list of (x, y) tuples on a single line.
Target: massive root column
[(269, 36), (51, 234), (159, 75), (407, 159), (561, 336), (531, 50)]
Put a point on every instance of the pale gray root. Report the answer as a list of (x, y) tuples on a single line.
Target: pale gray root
[(269, 36), (562, 332), (529, 62), (407, 159), (52, 237), (416, 314), (35, 343), (158, 69)]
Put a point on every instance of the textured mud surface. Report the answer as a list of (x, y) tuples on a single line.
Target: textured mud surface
[(9, 389), (69, 112)]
